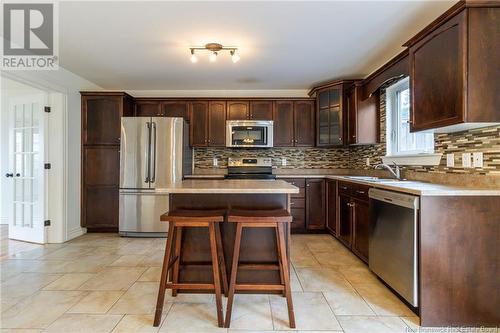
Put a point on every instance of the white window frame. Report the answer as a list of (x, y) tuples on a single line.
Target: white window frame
[(413, 157)]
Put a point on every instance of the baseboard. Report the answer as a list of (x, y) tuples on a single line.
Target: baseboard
[(76, 232)]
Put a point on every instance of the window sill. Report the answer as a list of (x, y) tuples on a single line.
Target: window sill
[(417, 159)]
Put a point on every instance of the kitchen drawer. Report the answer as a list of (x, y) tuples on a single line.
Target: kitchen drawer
[(298, 203), (359, 191), (345, 188)]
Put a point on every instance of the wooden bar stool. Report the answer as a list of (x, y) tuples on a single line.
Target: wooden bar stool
[(179, 219), (261, 219)]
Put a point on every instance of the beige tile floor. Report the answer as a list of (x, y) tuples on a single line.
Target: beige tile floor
[(105, 283)]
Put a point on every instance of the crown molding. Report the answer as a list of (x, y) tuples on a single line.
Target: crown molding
[(220, 93)]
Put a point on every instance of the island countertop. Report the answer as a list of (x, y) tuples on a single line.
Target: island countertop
[(219, 186)]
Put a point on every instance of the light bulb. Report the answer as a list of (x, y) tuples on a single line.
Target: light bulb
[(194, 58), (212, 57), (234, 56)]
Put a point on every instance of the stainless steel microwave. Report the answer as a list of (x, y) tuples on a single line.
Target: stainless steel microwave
[(249, 133)]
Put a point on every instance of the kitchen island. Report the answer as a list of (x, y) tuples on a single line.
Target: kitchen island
[(258, 246)]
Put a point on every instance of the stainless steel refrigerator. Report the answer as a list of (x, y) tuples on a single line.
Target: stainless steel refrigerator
[(154, 154)]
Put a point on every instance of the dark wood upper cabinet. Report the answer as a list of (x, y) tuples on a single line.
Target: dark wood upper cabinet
[(199, 124), (148, 109), (330, 118), (363, 121), (294, 123), (453, 76), (315, 204), (304, 123), (217, 123), (261, 110), (238, 110), (361, 228), (101, 117), (283, 124), (176, 109), (331, 206)]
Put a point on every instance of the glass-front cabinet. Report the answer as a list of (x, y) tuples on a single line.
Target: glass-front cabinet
[(330, 127)]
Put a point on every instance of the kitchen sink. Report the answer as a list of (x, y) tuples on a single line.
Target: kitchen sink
[(367, 178), (374, 179)]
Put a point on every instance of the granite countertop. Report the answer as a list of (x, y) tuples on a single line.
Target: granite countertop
[(218, 186), (406, 186)]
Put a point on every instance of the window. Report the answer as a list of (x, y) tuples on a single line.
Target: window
[(399, 139)]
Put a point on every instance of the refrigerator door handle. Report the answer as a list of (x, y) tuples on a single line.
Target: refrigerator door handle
[(153, 153), (148, 154)]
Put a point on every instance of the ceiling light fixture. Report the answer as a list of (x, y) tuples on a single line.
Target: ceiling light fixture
[(235, 57), (214, 49), (194, 58), (212, 57)]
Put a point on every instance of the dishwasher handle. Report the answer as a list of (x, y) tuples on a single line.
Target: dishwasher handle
[(395, 198)]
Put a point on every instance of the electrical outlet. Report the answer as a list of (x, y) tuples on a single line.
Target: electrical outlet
[(466, 160), (477, 159), (215, 162), (283, 161), (450, 160), (367, 161)]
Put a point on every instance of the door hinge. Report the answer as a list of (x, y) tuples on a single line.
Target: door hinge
[(47, 166), (46, 223), (47, 109)]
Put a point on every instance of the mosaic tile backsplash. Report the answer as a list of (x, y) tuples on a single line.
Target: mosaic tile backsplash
[(296, 158), (486, 140)]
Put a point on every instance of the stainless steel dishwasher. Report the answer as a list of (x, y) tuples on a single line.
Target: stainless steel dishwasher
[(393, 241)]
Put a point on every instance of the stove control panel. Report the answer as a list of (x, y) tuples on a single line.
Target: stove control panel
[(249, 162)]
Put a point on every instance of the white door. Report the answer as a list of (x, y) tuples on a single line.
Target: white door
[(26, 173)]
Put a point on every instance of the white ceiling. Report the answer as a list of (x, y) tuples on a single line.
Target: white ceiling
[(283, 45)]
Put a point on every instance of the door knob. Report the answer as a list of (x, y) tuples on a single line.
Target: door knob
[(18, 175), (9, 175)]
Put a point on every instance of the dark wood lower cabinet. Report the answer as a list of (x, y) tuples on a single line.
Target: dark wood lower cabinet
[(100, 207), (361, 228), (344, 232), (354, 218), (315, 204), (331, 206)]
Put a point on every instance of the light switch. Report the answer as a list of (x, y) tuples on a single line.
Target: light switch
[(283, 161), (477, 159), (450, 160), (367, 161), (215, 162), (466, 160)]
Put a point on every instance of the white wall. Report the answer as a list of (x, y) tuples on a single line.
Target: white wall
[(65, 82)]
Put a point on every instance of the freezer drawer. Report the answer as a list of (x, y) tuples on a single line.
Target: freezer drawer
[(140, 214)]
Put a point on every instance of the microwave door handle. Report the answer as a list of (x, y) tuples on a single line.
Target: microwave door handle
[(153, 153), (147, 152)]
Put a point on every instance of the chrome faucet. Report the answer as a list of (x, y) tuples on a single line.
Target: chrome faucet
[(395, 171)]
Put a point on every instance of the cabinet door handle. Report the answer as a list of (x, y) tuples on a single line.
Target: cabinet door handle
[(343, 187), (292, 203), (308, 185), (360, 192)]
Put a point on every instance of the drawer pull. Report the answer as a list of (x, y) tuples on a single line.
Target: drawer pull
[(343, 187), (360, 192)]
